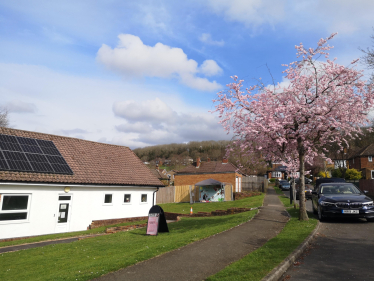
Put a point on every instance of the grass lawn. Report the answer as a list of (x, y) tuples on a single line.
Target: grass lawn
[(259, 263), (64, 235), (93, 257), (184, 208)]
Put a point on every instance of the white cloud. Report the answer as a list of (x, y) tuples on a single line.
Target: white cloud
[(207, 39), (133, 58), (149, 110), (86, 108), (210, 68), (160, 124), (252, 13), (344, 16), (73, 132), (137, 127), (17, 106)]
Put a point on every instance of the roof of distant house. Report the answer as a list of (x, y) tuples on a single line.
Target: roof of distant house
[(92, 163), (366, 151), (209, 167), (159, 174)]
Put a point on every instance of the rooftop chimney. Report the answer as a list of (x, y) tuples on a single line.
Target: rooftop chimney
[(198, 162), (208, 159), (225, 161)]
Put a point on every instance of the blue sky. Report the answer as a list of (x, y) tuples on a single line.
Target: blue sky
[(140, 73)]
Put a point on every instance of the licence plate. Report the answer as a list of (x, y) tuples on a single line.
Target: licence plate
[(350, 211)]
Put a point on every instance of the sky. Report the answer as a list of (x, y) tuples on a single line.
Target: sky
[(143, 73)]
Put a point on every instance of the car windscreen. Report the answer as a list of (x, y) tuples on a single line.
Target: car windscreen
[(339, 189)]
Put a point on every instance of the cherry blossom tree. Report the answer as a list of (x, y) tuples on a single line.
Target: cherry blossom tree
[(323, 103)]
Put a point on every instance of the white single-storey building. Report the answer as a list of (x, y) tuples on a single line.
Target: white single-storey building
[(51, 184)]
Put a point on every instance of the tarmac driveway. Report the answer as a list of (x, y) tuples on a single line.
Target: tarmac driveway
[(342, 250)]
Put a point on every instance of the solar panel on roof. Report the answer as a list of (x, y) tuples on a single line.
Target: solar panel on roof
[(31, 155)]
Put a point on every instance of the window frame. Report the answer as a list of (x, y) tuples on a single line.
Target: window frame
[(124, 196), (370, 158), (107, 204), (371, 174), (141, 198), (27, 210)]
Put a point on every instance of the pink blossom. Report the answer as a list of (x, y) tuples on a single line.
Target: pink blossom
[(324, 103)]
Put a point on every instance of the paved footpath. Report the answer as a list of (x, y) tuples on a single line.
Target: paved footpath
[(199, 260)]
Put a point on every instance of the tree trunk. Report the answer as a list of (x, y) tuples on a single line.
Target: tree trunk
[(303, 216)]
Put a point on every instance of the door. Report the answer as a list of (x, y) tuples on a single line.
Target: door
[(63, 213)]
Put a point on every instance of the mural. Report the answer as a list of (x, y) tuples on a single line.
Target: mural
[(212, 193)]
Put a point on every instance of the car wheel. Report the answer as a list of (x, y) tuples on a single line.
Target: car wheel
[(320, 214), (370, 219), (314, 210)]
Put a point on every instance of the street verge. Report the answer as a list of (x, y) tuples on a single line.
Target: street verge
[(272, 259)]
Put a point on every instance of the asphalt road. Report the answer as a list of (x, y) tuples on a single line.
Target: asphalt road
[(342, 250)]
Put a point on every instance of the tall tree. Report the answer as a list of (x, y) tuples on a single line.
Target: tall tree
[(4, 121), (368, 58), (324, 102)]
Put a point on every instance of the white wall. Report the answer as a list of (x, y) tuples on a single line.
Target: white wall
[(87, 204)]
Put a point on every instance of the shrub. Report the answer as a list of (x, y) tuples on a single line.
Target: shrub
[(323, 175), (353, 174), (272, 180), (337, 173)]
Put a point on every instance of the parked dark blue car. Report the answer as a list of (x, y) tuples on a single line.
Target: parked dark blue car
[(340, 199)]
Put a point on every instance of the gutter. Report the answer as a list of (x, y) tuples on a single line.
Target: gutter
[(73, 185), (153, 199)]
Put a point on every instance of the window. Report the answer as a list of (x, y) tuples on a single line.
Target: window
[(127, 198), (14, 207), (144, 197), (108, 199), (372, 174), (370, 158)]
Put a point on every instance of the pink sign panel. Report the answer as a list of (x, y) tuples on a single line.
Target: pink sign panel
[(152, 226)]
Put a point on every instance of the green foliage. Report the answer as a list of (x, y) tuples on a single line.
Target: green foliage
[(353, 174), (278, 190), (337, 173), (272, 180), (322, 174)]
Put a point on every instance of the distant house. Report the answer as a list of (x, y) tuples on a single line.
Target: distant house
[(51, 184), (222, 171), (362, 160), (278, 171), (160, 174)]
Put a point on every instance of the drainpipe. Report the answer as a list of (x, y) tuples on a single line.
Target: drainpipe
[(153, 200)]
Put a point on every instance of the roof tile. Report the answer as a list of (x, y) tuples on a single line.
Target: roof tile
[(91, 162)]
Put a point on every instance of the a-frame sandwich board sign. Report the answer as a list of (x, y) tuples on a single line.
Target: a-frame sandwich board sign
[(156, 221)]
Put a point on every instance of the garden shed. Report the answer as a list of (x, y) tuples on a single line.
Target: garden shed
[(211, 190)]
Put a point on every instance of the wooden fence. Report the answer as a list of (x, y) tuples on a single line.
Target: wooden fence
[(182, 193), (254, 184), (165, 195)]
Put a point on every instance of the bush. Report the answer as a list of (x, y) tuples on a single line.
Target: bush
[(272, 180), (353, 174), (337, 173), (323, 175)]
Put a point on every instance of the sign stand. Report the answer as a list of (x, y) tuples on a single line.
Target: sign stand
[(156, 221)]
